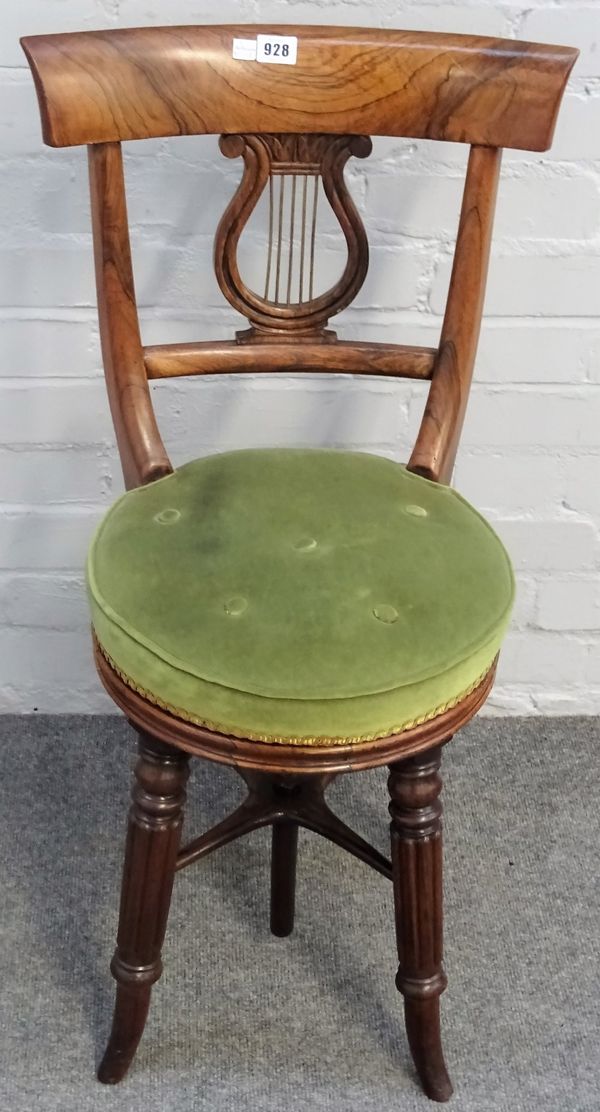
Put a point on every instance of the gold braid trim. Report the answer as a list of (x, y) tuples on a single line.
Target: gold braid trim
[(275, 739)]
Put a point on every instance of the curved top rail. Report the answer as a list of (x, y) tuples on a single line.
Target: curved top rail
[(140, 83)]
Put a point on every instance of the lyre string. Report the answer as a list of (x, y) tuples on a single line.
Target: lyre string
[(282, 178), (270, 247), (302, 240), (291, 248), (308, 217), (313, 232)]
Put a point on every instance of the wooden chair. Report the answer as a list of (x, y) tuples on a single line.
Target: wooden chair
[(294, 125)]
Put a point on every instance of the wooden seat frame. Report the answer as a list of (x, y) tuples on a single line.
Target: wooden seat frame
[(100, 88)]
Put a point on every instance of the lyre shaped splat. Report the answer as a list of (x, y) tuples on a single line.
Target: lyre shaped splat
[(288, 306)]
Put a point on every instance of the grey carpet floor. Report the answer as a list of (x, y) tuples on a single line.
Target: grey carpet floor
[(313, 1023)]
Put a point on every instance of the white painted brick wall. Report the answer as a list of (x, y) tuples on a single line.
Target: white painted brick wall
[(531, 451)]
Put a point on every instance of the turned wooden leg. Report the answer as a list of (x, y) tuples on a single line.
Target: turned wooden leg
[(153, 835), (284, 849), (416, 828)]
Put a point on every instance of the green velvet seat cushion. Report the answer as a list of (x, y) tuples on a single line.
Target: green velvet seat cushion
[(299, 595)]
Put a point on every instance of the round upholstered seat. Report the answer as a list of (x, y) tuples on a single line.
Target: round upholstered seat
[(299, 595)]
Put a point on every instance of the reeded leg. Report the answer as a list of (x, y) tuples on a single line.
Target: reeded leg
[(416, 828), (284, 849), (153, 835)]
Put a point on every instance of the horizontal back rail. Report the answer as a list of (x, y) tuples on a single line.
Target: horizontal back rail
[(340, 356), (139, 83)]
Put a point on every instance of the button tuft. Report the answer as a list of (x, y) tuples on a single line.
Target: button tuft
[(167, 517), (385, 613), (235, 606)]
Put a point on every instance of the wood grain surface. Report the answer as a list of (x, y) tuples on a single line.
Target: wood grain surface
[(143, 455), (434, 452), (211, 357), (138, 83)]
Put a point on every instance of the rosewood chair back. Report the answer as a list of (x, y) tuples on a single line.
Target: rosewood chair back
[(294, 126)]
